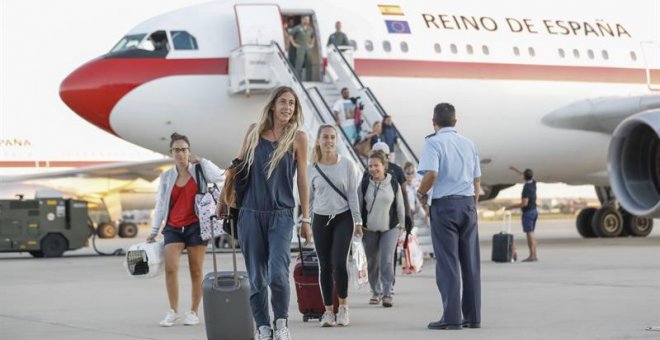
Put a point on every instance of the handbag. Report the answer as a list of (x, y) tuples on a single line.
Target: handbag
[(237, 181), (206, 200)]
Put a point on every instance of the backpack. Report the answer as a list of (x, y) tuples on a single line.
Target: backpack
[(364, 184)]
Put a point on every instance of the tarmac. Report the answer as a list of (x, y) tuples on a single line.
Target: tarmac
[(579, 289)]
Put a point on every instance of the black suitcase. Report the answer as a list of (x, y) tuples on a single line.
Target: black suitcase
[(503, 242), (226, 297)]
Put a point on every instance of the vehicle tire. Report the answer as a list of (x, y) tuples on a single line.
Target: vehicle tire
[(607, 222), (637, 226), (36, 253), (128, 230), (583, 222), (54, 245), (106, 230)]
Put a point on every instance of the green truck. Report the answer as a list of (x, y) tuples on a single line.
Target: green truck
[(44, 227)]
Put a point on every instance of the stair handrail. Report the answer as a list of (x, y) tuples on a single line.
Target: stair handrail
[(379, 108), (349, 145)]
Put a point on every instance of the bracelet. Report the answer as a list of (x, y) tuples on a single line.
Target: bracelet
[(306, 220)]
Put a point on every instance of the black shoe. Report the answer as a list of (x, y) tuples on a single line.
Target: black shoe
[(443, 325), (467, 324)]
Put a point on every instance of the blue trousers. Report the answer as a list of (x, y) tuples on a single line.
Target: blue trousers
[(456, 248), (265, 238)]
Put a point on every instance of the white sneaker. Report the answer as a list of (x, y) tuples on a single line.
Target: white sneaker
[(170, 318), (190, 319), (265, 333), (281, 330), (342, 316), (328, 319)]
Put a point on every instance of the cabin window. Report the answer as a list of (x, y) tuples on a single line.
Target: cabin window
[(576, 53), (516, 51), (183, 40), (368, 45), (590, 54), (531, 51), (437, 48), (469, 49), (387, 46), (404, 47), (485, 50), (453, 48), (561, 52), (633, 55), (354, 44), (605, 55)]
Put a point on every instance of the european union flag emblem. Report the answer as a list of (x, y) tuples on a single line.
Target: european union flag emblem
[(397, 26)]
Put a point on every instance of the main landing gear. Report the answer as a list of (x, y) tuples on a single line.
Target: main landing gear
[(611, 220)]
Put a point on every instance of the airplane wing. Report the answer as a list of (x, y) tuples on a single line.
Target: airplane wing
[(147, 170), (600, 114)]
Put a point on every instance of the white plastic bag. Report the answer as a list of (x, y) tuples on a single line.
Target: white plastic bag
[(357, 264), (145, 259)]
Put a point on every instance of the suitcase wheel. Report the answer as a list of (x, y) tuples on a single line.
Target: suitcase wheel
[(305, 318)]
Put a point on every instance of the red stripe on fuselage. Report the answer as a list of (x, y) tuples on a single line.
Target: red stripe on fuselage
[(94, 89)]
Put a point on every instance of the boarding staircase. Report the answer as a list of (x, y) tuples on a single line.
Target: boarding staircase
[(262, 68)]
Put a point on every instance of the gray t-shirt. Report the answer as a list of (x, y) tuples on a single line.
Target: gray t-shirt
[(324, 199), (378, 217)]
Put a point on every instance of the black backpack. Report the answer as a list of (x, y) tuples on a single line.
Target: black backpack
[(394, 217)]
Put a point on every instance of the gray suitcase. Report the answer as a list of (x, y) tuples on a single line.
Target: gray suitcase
[(227, 312)]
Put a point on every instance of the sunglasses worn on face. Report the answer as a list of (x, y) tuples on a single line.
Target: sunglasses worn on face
[(175, 150)]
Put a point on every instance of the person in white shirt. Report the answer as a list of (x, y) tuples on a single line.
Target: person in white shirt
[(344, 111)]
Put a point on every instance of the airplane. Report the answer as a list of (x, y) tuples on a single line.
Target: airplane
[(111, 176), (570, 90)]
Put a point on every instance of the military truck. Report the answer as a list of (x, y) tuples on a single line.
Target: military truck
[(44, 227)]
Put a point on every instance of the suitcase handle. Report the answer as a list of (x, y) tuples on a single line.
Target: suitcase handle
[(233, 252), (302, 258), (506, 222)]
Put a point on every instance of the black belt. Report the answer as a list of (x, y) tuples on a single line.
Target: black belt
[(450, 197)]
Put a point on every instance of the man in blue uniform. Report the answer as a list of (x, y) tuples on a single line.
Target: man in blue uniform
[(450, 165)]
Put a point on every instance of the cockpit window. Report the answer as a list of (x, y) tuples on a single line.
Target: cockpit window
[(154, 45), (129, 42), (183, 40)]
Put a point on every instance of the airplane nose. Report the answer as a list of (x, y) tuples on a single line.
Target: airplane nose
[(88, 91)]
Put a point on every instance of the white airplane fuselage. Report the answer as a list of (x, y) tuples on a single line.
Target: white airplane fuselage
[(460, 52)]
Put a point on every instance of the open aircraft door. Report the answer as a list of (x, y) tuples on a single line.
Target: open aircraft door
[(259, 24)]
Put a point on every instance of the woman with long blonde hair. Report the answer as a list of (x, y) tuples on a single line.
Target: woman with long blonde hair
[(273, 150), (336, 208)]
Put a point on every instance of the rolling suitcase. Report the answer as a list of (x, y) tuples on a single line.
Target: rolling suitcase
[(503, 242), (227, 312), (308, 290)]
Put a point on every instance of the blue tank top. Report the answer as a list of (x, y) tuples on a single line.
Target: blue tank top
[(276, 192)]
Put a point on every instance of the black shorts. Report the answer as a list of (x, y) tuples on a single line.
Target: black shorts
[(189, 235)]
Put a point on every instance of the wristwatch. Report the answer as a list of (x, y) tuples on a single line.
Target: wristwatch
[(307, 220)]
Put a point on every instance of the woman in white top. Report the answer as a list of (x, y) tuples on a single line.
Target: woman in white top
[(336, 217), (175, 205)]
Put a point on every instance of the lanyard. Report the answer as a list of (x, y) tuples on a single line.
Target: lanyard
[(374, 201)]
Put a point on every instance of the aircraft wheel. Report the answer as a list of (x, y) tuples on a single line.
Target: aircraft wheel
[(583, 222), (636, 225), (106, 230), (607, 222), (54, 245), (128, 230)]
